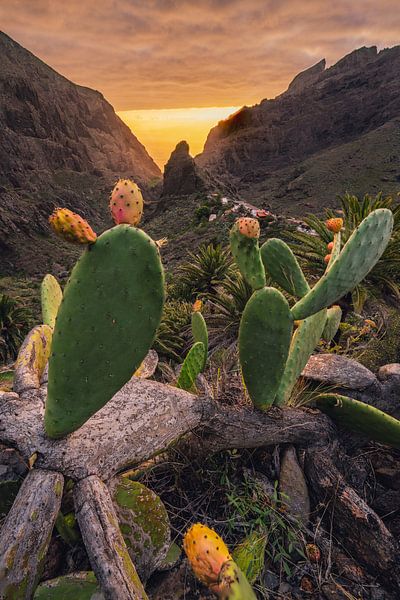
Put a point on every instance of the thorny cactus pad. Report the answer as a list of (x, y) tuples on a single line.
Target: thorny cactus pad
[(333, 319), (51, 296), (264, 340), (249, 555), (105, 326), (126, 202), (200, 333), (245, 249), (75, 586), (233, 584), (361, 417), (71, 227), (192, 367), (358, 256), (144, 524), (281, 264)]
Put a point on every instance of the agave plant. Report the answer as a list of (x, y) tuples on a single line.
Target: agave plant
[(13, 327), (206, 270), (311, 248), (171, 340)]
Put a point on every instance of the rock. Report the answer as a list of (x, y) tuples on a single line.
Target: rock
[(61, 144), (181, 175), (334, 369), (312, 141), (293, 485), (387, 371)]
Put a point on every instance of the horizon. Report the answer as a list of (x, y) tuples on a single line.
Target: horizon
[(159, 63)]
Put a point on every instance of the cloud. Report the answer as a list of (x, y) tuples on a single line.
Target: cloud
[(170, 53)]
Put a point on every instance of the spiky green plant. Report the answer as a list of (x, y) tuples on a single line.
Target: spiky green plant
[(310, 249), (205, 270), (171, 340), (14, 324)]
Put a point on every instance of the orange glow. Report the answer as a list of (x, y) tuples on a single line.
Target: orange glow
[(160, 130)]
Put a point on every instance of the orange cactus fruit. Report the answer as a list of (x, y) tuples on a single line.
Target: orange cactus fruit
[(334, 225), (313, 553), (71, 227), (249, 227), (126, 202), (197, 306), (206, 552), (327, 258), (329, 246)]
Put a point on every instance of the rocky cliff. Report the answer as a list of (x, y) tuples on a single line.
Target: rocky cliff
[(181, 175), (61, 144), (333, 130)]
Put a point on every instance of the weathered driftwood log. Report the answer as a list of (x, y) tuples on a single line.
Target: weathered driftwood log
[(26, 532), (357, 527), (105, 545), (144, 419)]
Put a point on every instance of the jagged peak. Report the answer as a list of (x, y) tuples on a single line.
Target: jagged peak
[(306, 77)]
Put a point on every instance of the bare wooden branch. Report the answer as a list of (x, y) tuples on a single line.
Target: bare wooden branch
[(355, 524), (144, 419), (26, 533), (104, 543)]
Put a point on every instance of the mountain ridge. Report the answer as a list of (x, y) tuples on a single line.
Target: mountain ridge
[(62, 143)]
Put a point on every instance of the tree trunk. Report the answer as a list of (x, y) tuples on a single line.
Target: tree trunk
[(104, 543), (26, 533)]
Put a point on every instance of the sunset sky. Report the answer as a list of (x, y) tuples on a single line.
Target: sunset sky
[(219, 54)]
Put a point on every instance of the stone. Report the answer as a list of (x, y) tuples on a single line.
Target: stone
[(390, 370), (292, 484), (334, 369), (181, 175)]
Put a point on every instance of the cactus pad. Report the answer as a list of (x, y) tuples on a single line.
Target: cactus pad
[(361, 417), (246, 252), (206, 552), (105, 326), (358, 256), (264, 340), (333, 319), (233, 584), (32, 358), (304, 341), (144, 524), (75, 586), (192, 367), (51, 296), (249, 555), (71, 227), (200, 333), (126, 202), (281, 264)]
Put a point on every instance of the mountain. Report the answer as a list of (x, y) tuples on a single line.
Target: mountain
[(61, 144), (333, 130)]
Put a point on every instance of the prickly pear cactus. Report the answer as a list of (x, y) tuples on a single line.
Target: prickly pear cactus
[(32, 358), (249, 555), (144, 524), (264, 341), (200, 333), (75, 586), (334, 316), (281, 264), (207, 553), (126, 202), (71, 227), (244, 246), (361, 417), (105, 326), (51, 296), (192, 367), (359, 255), (302, 345), (233, 584)]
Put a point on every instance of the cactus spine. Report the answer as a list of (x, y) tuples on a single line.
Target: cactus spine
[(51, 296)]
